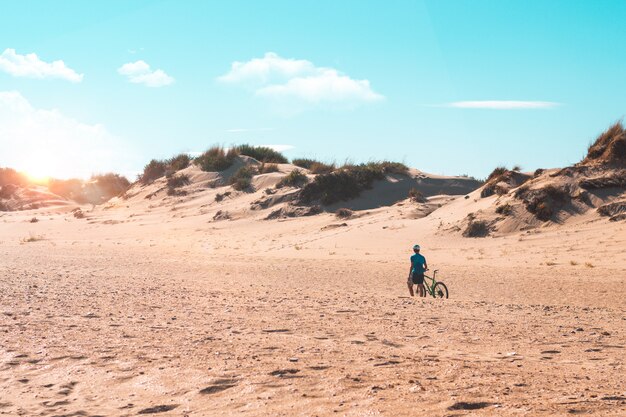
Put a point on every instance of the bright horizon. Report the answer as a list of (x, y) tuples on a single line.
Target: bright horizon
[(448, 87)]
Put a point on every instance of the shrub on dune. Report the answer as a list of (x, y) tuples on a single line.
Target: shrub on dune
[(609, 147), (216, 159), (242, 179), (177, 181), (477, 228), (262, 153), (178, 162), (315, 167), (155, 169), (295, 178), (348, 182)]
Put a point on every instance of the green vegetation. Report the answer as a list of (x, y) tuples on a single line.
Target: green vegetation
[(543, 202), (504, 209), (153, 170), (477, 228), (497, 173), (242, 179), (262, 153), (157, 168), (315, 167), (178, 162), (216, 159), (348, 182), (609, 147), (177, 181), (295, 178)]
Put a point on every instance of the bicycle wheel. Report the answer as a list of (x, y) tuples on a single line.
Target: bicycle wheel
[(440, 290)]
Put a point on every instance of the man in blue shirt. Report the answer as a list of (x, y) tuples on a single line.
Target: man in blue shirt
[(416, 273)]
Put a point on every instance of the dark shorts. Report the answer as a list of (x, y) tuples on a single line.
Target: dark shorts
[(418, 278)]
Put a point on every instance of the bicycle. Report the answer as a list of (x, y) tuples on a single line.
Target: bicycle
[(436, 288)]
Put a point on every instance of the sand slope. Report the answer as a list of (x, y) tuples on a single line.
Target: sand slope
[(152, 306)]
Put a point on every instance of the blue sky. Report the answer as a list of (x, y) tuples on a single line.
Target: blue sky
[(452, 87)]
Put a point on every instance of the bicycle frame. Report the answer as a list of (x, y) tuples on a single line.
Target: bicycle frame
[(433, 281)]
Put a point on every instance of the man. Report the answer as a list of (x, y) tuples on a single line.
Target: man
[(416, 272)]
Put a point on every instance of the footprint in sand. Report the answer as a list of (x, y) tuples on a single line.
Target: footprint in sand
[(463, 405), (158, 409), (219, 386), (284, 372)]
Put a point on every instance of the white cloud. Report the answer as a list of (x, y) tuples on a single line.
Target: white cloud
[(31, 66), (48, 143), (139, 72), (264, 70), (280, 148), (325, 86), (299, 81), (503, 104)]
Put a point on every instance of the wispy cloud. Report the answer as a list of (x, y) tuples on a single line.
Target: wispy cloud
[(139, 72), (280, 148), (297, 80), (31, 66), (244, 130), (503, 104)]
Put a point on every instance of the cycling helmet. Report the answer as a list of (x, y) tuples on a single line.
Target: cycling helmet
[(416, 247)]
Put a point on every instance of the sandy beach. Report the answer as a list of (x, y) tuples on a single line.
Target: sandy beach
[(128, 313)]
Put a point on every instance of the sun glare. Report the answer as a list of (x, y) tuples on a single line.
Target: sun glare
[(38, 178)]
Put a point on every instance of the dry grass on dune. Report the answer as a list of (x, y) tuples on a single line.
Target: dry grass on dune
[(609, 147)]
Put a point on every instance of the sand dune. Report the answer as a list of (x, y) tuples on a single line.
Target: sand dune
[(204, 303)]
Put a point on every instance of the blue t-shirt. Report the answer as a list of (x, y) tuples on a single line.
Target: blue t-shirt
[(418, 262)]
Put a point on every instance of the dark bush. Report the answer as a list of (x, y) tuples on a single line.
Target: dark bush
[(242, 179), (343, 213), (316, 167), (348, 182), (304, 162), (497, 172), (504, 209), (544, 202), (153, 170), (295, 178), (178, 181), (321, 168), (178, 162), (216, 159), (262, 154), (609, 147), (477, 228)]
